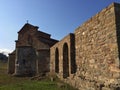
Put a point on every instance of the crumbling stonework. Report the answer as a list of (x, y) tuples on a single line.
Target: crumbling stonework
[(97, 47)]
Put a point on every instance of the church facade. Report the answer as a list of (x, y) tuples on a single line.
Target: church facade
[(32, 53)]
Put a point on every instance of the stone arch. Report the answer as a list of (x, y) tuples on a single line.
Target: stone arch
[(65, 61), (56, 60)]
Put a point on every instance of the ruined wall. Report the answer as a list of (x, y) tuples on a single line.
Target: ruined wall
[(97, 55), (62, 57), (11, 63), (97, 47)]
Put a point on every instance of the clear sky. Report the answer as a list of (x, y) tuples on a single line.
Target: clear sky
[(56, 17)]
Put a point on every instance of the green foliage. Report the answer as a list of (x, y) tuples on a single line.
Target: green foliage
[(8, 82)]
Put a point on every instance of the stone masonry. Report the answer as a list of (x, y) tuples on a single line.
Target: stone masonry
[(89, 59), (63, 57), (11, 63), (32, 53)]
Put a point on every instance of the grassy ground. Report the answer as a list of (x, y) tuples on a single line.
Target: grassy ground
[(8, 82)]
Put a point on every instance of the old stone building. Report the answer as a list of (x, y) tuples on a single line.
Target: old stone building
[(32, 53), (88, 59)]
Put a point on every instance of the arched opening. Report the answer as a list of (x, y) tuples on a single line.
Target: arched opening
[(65, 61), (56, 61)]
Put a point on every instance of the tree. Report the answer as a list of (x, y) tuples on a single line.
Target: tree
[(3, 57)]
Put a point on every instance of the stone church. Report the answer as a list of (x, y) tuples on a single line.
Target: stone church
[(88, 59), (32, 52)]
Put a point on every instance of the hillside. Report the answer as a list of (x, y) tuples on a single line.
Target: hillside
[(3, 57)]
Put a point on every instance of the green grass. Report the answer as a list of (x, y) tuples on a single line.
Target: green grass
[(35, 85), (8, 82)]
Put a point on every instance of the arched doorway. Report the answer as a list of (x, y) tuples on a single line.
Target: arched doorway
[(56, 61), (65, 61)]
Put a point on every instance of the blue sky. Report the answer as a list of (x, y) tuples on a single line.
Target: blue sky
[(56, 17)]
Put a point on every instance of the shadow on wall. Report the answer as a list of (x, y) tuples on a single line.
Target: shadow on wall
[(117, 13)]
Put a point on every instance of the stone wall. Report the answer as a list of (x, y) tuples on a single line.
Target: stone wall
[(25, 64), (11, 63), (62, 56), (97, 47), (43, 61)]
